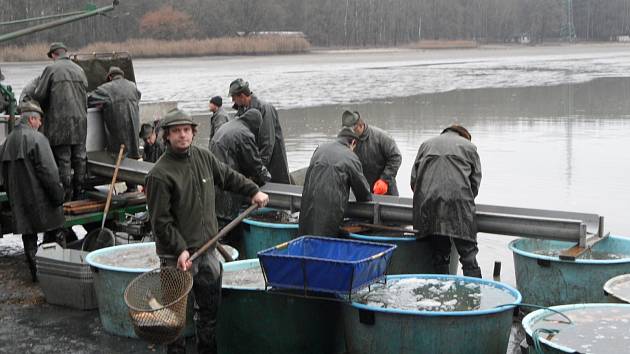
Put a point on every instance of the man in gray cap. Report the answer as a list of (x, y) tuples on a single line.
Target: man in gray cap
[(333, 171), (62, 91), (180, 190), (219, 116), (378, 153), (269, 137), (31, 180), (153, 146)]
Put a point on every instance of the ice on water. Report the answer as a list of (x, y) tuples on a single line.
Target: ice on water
[(247, 278), (432, 294)]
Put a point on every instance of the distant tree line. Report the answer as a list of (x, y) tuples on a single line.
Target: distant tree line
[(331, 22)]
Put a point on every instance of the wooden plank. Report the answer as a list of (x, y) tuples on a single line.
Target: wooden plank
[(572, 253)]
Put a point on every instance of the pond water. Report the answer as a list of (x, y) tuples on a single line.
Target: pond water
[(247, 278), (441, 295), (593, 330)]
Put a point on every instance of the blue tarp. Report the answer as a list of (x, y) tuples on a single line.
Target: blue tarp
[(325, 264)]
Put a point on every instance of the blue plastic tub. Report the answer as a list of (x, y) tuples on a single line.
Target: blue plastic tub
[(252, 320), (587, 335), (376, 330), (412, 256), (110, 283), (548, 281), (325, 264), (259, 235)]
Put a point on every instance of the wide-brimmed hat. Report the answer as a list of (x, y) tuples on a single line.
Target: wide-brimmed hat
[(349, 119), (55, 46), (177, 117), (239, 86), (30, 105)]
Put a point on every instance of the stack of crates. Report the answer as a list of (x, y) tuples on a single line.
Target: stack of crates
[(65, 277)]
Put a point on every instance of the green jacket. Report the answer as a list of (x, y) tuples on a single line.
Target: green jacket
[(180, 198)]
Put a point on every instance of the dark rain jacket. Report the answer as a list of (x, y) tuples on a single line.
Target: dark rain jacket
[(29, 89), (235, 145), (270, 141), (181, 198), (152, 153), (121, 114), (379, 157), (219, 118), (31, 179), (333, 170), (445, 178), (61, 93)]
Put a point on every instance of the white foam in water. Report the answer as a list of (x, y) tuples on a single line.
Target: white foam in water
[(426, 294)]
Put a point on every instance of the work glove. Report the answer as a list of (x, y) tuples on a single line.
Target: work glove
[(380, 187)]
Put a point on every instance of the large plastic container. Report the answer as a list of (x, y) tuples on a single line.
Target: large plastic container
[(252, 320), (376, 330), (110, 283), (617, 289), (547, 280), (412, 256), (260, 235), (65, 277), (589, 334), (325, 264)]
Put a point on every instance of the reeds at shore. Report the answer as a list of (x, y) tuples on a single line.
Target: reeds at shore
[(151, 48)]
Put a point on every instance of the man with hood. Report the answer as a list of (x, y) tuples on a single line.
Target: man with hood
[(378, 153), (445, 180), (61, 91), (235, 145), (269, 137), (334, 170), (31, 179)]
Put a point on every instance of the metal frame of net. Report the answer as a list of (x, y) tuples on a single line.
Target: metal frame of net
[(157, 303)]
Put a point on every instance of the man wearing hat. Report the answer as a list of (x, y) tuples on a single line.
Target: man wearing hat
[(378, 153), (219, 117), (269, 137), (62, 91), (119, 98), (333, 171), (153, 146), (180, 190), (445, 180), (31, 179)]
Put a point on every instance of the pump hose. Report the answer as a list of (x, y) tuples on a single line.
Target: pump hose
[(538, 331)]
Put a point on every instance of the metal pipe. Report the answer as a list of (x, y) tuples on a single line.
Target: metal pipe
[(41, 18), (501, 220), (44, 26)]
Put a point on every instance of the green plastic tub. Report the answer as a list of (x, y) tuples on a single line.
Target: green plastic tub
[(252, 320), (110, 283), (412, 256), (375, 330), (259, 235), (546, 280)]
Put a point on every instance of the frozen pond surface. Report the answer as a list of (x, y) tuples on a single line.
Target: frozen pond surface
[(434, 295)]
